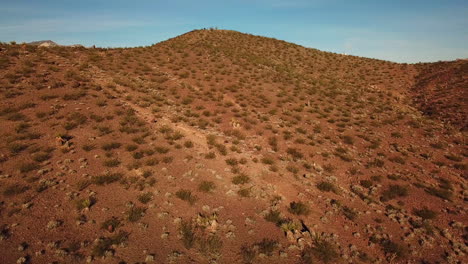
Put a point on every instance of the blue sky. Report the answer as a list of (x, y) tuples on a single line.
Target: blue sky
[(401, 31)]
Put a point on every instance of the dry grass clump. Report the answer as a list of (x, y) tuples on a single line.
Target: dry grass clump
[(187, 196)]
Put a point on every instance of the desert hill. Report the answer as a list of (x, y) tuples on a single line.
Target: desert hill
[(222, 147)]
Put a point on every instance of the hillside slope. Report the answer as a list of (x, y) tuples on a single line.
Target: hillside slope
[(218, 147)]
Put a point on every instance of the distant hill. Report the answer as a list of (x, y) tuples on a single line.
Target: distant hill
[(44, 43)]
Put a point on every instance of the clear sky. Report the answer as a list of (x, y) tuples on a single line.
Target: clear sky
[(396, 30)]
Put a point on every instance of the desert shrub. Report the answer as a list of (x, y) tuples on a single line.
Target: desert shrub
[(210, 155), (394, 191), (248, 254), (366, 183), (41, 156), (231, 162), (244, 192), (111, 224), (145, 197), (161, 149), (274, 216), (188, 234), (167, 159), (88, 147), (393, 249), (111, 145), (206, 186), (425, 213), (349, 213), (299, 208), (211, 244), (453, 157), (292, 169), (273, 142), (186, 195), (325, 186), (267, 246), (348, 140), (105, 244), (82, 184), (375, 163), (295, 154), (74, 96), (441, 192), (16, 148), (107, 178), (321, 250), (188, 144), (267, 161), (111, 163), (241, 179), (14, 189), (135, 213), (28, 166), (84, 203)]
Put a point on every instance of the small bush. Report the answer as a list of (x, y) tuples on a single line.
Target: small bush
[(248, 254), (299, 208), (394, 249), (274, 216), (16, 148), (145, 197), (106, 178), (267, 246), (111, 163), (105, 244), (188, 234), (88, 147), (110, 146), (350, 213), (27, 167), (394, 191), (327, 187), (15, 189), (295, 154), (135, 213), (85, 203), (321, 250), (241, 179), (206, 186), (245, 192), (425, 213), (186, 195), (111, 224)]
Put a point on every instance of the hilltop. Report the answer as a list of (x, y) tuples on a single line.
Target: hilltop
[(217, 146)]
